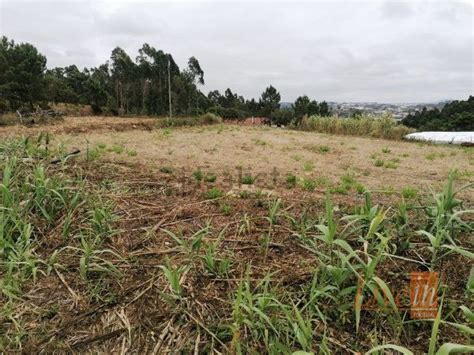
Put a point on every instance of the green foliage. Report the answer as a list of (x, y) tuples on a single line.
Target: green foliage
[(210, 177), (213, 193), (309, 184), (21, 75), (173, 275), (291, 180), (409, 192), (269, 101), (198, 175), (228, 112), (303, 106), (391, 165), (35, 200), (454, 116), (384, 127), (226, 209), (213, 264), (445, 217), (205, 119), (282, 116), (247, 179), (324, 149), (379, 162)]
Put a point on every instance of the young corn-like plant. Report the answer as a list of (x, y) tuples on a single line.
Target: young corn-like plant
[(192, 244), (173, 276), (213, 264), (92, 258), (445, 215)]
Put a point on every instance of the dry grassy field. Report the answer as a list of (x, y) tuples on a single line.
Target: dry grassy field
[(261, 150), (266, 153), (222, 238)]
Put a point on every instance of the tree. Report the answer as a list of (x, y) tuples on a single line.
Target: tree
[(282, 117), (215, 97), (22, 70), (454, 116), (252, 107), (122, 72), (269, 101), (195, 70), (301, 106), (324, 109), (305, 106)]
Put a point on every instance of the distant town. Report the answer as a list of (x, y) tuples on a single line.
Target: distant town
[(397, 110)]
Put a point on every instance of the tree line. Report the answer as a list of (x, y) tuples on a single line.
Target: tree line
[(454, 116), (144, 85)]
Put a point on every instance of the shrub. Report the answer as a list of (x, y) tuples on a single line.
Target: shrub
[(384, 127), (198, 175), (282, 117), (206, 119), (324, 149), (379, 162), (409, 192), (291, 180), (226, 209), (391, 165), (116, 148), (213, 193), (247, 179), (210, 178), (228, 113), (360, 188), (309, 184)]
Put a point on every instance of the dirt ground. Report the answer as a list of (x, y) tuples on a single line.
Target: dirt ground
[(78, 125), (148, 174)]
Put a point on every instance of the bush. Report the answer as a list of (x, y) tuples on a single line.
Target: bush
[(209, 118), (247, 180), (213, 193), (206, 119), (282, 117), (228, 112), (384, 127), (210, 177), (291, 180)]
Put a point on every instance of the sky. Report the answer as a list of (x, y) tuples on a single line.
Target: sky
[(377, 51)]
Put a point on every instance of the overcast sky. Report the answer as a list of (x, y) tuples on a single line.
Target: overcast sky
[(335, 51)]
